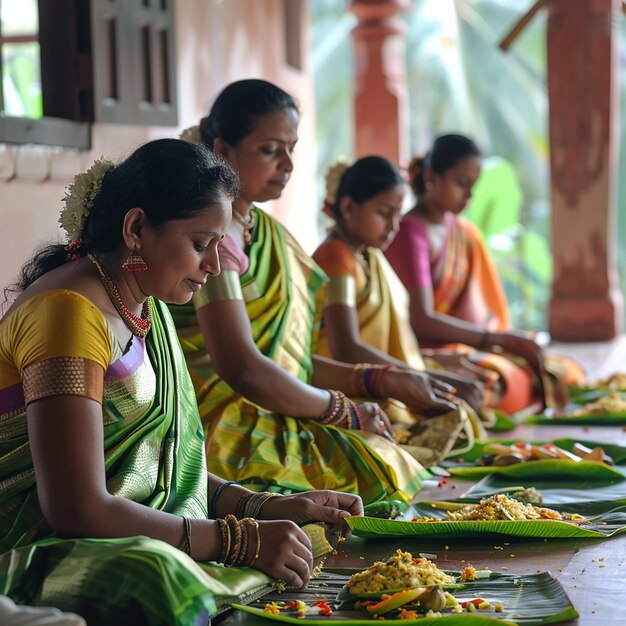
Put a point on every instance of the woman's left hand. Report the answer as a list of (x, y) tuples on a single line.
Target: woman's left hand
[(330, 507)]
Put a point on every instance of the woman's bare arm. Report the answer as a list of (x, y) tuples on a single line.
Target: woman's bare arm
[(344, 338), (226, 329), (66, 441)]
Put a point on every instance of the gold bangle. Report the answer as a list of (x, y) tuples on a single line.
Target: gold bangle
[(225, 532), (233, 555), (257, 549), (244, 543), (241, 505)]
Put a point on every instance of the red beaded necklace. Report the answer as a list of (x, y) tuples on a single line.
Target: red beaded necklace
[(139, 326)]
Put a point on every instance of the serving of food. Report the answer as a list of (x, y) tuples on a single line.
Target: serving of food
[(564, 458), (522, 452), (500, 507), (496, 514), (595, 405), (414, 590)]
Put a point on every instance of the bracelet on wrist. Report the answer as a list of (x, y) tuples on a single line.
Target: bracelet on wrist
[(216, 495)]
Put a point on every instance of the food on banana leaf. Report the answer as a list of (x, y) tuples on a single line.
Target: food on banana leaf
[(499, 507), (609, 404), (404, 587), (499, 454), (400, 571), (614, 381)]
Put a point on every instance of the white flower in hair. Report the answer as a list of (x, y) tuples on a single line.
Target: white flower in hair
[(80, 196), (192, 135), (333, 178)]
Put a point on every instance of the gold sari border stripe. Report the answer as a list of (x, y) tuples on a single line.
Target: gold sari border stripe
[(341, 289), (219, 288), (67, 375)]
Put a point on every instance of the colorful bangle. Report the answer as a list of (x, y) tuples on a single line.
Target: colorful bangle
[(357, 380), (216, 495)]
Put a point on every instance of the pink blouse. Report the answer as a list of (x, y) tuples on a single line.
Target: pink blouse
[(409, 253), (232, 257)]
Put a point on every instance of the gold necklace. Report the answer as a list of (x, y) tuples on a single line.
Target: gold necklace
[(139, 326), (248, 224)]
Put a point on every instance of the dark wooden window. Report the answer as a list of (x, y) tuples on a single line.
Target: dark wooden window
[(109, 61), (134, 72)]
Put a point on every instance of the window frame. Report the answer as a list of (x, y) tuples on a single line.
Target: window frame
[(75, 91)]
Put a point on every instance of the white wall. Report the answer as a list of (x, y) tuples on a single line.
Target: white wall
[(217, 42)]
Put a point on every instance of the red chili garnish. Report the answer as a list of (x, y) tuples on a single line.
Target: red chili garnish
[(476, 602), (322, 605)]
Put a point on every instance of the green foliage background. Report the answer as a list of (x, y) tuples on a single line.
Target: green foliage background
[(459, 80)]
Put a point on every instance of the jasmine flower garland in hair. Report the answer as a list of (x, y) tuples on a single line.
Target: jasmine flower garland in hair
[(80, 196), (192, 135), (333, 178)]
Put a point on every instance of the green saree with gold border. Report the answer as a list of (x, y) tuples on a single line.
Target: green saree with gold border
[(283, 297), (154, 454)]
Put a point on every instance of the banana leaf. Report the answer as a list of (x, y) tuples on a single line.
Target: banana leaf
[(578, 401), (528, 600), (595, 419), (555, 491), (562, 468), (504, 421), (609, 522)]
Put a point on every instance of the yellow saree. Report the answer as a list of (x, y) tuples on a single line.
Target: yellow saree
[(281, 289)]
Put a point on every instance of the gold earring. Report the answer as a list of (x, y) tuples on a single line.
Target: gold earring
[(134, 263)]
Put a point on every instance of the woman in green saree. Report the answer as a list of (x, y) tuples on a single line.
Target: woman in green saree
[(104, 492), (269, 407)]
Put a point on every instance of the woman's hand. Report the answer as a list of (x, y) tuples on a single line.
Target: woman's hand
[(522, 345), (330, 507), (375, 420), (285, 552), (420, 392), (455, 363), (466, 389)]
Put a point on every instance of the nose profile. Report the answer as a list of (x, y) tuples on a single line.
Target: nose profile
[(287, 161), (211, 262)]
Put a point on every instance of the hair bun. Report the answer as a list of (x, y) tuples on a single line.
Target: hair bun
[(415, 168), (333, 178)]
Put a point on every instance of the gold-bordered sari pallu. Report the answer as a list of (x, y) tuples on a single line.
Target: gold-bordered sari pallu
[(283, 299), (154, 455)]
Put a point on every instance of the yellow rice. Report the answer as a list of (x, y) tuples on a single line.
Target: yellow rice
[(400, 571)]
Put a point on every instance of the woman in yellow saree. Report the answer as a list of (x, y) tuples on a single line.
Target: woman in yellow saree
[(105, 500), (366, 313), (456, 298), (272, 411)]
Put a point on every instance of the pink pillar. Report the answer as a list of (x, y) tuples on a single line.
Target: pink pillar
[(380, 98), (583, 79)]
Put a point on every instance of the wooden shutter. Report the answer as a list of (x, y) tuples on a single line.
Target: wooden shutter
[(134, 61), (64, 37)]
